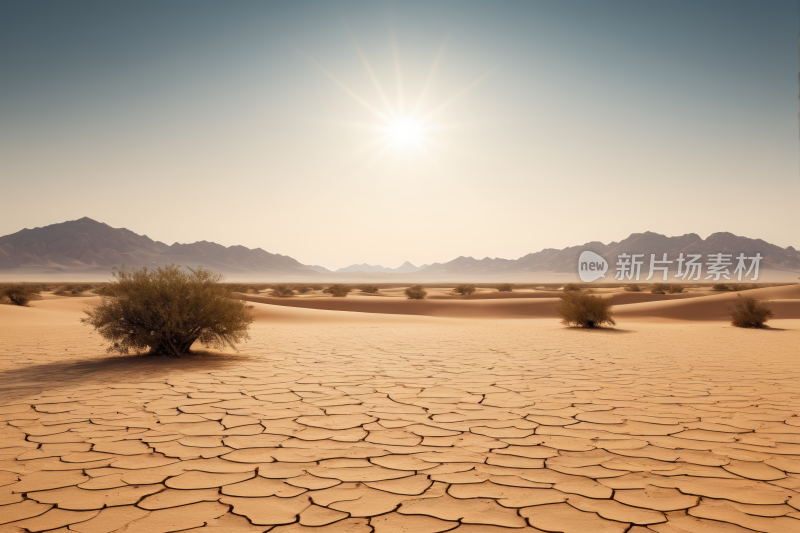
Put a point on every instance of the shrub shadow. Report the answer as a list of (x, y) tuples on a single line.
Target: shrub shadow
[(601, 330), (32, 379)]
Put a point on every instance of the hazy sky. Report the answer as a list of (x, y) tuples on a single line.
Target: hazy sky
[(347, 132)]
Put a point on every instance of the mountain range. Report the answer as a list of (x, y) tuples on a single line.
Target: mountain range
[(88, 247), (405, 268), (565, 261)]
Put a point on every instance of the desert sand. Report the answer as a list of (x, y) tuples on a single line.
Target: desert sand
[(361, 414)]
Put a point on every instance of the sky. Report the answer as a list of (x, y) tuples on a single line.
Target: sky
[(341, 132)]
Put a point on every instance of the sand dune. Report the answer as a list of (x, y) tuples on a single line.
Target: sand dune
[(266, 314), (505, 308), (51, 311), (370, 310), (786, 304)]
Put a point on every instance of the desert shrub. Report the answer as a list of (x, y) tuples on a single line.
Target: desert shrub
[(572, 287), (416, 292), (464, 290), (282, 290), (738, 287), (369, 289), (111, 289), (675, 288), (340, 291), (505, 287), (18, 293), (72, 289), (633, 288), (164, 311), (720, 287), (749, 312), (302, 289), (245, 288), (584, 310), (660, 288)]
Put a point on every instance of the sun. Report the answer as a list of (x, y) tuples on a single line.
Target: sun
[(405, 126), (404, 132)]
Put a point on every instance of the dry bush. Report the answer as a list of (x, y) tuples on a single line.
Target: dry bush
[(633, 288), (73, 289), (749, 312), (505, 287), (164, 311), (317, 287), (246, 288), (302, 289), (675, 288), (584, 310), (18, 293), (416, 292), (464, 290), (340, 291), (660, 288), (720, 287), (282, 290), (572, 287), (109, 289), (369, 289)]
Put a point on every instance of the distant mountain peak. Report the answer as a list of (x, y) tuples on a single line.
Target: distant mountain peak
[(86, 244), (565, 260), (405, 268)]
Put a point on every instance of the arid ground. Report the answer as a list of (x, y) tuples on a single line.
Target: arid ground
[(376, 413)]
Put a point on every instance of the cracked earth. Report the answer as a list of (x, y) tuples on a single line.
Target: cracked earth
[(464, 426)]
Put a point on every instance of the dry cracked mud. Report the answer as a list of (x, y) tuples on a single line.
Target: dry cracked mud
[(515, 426)]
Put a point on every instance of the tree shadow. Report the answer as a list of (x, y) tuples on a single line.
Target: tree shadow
[(32, 379), (601, 330)]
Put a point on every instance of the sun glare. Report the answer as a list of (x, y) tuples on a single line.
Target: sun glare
[(407, 129), (404, 132)]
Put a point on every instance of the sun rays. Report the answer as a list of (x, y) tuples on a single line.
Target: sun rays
[(402, 127)]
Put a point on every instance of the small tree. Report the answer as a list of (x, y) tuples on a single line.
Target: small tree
[(505, 287), (167, 309), (572, 287), (584, 310), (749, 312), (416, 292), (464, 290), (633, 288), (339, 291), (369, 289), (282, 290)]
